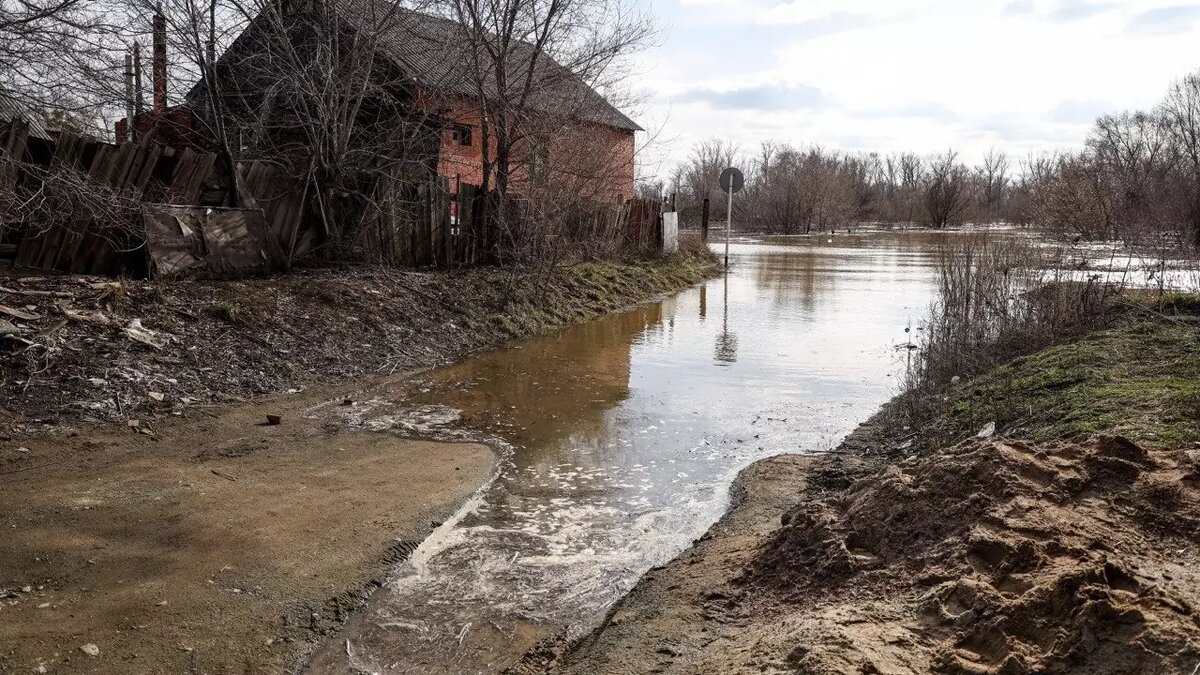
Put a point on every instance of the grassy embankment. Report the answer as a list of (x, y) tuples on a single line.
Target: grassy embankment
[(1137, 374), (1141, 381), (1019, 338), (229, 341)]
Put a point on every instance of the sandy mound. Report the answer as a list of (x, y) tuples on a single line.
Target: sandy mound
[(996, 556)]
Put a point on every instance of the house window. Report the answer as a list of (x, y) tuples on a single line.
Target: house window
[(538, 158), (460, 134)]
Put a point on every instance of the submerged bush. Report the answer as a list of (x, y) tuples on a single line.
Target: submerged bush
[(998, 299)]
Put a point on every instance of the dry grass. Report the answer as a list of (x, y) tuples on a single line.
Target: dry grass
[(689, 241), (241, 339), (998, 299)]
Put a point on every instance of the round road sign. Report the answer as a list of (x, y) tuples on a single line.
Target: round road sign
[(732, 180)]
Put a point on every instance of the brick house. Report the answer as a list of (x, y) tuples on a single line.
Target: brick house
[(585, 140), (574, 138)]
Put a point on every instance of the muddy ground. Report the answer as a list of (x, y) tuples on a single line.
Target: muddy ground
[(218, 545), (154, 521), (1068, 542)]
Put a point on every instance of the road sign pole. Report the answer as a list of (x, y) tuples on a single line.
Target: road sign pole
[(732, 180), (728, 224)]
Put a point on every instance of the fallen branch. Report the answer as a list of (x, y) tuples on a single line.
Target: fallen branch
[(52, 294)]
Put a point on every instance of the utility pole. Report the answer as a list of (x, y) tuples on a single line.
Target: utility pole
[(728, 226), (130, 122), (138, 103), (732, 181)]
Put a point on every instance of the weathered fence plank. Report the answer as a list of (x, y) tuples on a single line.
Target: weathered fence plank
[(405, 222), (88, 243), (281, 198)]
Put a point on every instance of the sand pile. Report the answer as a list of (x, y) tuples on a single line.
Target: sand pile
[(995, 556)]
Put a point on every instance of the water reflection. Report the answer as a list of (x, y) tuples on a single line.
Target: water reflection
[(726, 351), (625, 435)]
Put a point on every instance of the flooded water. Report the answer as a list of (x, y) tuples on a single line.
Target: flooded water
[(624, 435)]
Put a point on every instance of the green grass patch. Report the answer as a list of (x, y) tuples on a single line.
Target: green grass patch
[(1140, 380), (529, 303), (229, 312)]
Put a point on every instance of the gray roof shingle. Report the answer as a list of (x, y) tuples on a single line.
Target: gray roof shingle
[(434, 51)]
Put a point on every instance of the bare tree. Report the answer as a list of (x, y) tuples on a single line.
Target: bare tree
[(993, 178), (703, 171), (58, 56), (1033, 172), (947, 190), (532, 71), (1133, 155), (911, 198), (1075, 199), (793, 191), (1180, 113), (775, 189)]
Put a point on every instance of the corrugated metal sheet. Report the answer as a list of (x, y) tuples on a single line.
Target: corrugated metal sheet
[(11, 108), (223, 243)]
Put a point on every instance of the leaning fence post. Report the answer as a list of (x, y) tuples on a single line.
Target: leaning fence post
[(704, 222)]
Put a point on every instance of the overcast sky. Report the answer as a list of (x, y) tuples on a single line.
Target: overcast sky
[(918, 75)]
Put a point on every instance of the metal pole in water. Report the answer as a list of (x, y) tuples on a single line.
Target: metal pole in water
[(728, 223), (732, 180)]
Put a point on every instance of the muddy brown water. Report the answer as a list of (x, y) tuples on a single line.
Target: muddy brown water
[(623, 436)]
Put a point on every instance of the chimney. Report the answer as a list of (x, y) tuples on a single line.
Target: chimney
[(129, 119), (160, 63), (138, 98)]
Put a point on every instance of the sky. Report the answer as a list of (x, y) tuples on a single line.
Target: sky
[(895, 75)]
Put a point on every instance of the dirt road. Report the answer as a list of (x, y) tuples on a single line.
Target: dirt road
[(994, 557), (213, 543)]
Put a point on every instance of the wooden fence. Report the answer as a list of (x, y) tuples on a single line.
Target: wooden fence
[(607, 229), (282, 199), (425, 225), (404, 223), (136, 172)]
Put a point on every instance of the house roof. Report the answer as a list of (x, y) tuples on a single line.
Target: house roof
[(433, 50), (11, 109)]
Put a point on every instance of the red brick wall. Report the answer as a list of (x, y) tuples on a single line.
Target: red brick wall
[(458, 160), (175, 128), (591, 160)]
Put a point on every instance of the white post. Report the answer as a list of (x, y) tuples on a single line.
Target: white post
[(728, 222)]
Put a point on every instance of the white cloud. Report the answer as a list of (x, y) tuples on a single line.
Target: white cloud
[(922, 75), (808, 10)]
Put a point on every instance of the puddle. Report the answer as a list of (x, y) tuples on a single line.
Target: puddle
[(624, 435)]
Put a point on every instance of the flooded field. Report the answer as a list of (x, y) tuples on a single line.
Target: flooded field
[(623, 436)]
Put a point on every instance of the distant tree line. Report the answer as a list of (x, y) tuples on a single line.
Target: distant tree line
[(1136, 179), (797, 190)]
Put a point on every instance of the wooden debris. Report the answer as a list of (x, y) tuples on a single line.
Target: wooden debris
[(13, 312)]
